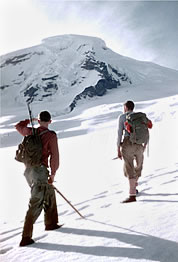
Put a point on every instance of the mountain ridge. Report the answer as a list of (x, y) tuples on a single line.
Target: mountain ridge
[(69, 68)]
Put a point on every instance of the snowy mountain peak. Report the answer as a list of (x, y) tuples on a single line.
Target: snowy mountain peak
[(68, 68), (77, 41)]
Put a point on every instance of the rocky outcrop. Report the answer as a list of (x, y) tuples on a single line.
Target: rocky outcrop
[(15, 60), (106, 82), (47, 90), (99, 89)]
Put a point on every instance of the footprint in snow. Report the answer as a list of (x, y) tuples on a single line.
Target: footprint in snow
[(105, 192), (5, 250), (105, 206), (63, 213)]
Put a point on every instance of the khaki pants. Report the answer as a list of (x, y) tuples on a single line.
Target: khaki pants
[(42, 197), (133, 162)]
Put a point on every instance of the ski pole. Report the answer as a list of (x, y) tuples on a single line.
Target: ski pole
[(67, 201)]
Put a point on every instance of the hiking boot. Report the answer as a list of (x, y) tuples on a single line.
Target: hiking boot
[(129, 199), (53, 227), (26, 241)]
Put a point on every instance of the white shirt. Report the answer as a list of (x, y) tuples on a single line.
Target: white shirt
[(121, 127)]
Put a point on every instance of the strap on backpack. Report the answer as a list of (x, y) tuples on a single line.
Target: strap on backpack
[(43, 132)]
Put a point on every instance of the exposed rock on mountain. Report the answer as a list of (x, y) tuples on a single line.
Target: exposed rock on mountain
[(68, 68)]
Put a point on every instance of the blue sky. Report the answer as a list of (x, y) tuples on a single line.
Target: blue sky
[(144, 30)]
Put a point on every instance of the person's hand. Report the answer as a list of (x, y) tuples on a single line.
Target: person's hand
[(119, 153), (144, 147), (51, 179)]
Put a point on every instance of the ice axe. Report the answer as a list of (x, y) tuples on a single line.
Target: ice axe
[(67, 201), (31, 120), (115, 158)]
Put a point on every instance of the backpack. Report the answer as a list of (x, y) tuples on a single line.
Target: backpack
[(137, 125), (29, 151)]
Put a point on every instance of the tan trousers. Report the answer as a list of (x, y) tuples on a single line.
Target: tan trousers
[(133, 162), (42, 197)]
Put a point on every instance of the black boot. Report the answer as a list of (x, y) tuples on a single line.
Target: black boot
[(52, 227), (26, 241), (129, 199)]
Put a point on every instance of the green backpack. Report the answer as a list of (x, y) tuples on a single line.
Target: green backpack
[(29, 151), (138, 127)]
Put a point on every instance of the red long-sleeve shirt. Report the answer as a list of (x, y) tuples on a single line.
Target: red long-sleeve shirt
[(49, 142)]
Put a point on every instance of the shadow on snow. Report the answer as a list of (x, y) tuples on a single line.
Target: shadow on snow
[(148, 247)]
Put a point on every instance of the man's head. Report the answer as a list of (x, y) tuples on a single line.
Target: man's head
[(45, 117), (129, 106)]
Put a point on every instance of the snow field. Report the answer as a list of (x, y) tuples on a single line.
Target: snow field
[(95, 185)]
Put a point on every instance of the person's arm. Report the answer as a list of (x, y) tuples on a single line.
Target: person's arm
[(22, 128), (54, 157), (149, 125), (119, 136)]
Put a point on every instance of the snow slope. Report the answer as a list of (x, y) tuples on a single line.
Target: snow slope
[(94, 183)]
